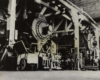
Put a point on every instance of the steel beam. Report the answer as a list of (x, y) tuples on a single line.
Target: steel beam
[(11, 20), (76, 38)]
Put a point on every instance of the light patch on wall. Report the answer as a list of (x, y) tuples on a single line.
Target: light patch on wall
[(38, 1)]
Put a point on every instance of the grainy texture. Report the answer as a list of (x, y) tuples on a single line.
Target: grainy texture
[(50, 75), (92, 7)]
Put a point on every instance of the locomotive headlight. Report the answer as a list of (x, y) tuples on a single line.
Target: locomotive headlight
[(42, 30)]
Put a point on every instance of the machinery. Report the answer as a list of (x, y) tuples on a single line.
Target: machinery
[(50, 33)]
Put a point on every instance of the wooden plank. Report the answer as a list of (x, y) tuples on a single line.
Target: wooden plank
[(43, 10), (67, 17), (58, 25), (47, 15), (62, 31), (47, 5)]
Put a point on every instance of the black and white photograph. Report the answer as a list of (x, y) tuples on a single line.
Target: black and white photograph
[(49, 39)]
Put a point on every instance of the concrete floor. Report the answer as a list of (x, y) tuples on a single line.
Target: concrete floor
[(50, 75)]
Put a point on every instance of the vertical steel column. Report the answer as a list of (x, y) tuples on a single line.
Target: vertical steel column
[(11, 20), (97, 39), (75, 18), (51, 47), (10, 24)]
